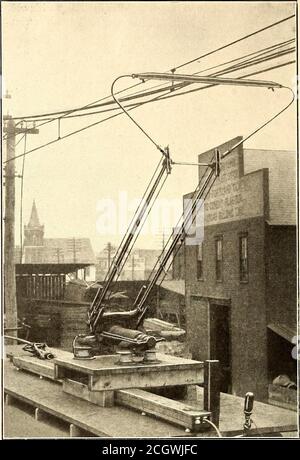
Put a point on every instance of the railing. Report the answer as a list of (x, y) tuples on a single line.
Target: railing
[(50, 287)]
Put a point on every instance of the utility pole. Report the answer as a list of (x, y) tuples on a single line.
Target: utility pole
[(10, 304), (58, 251), (109, 251)]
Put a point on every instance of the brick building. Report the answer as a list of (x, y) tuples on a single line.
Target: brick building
[(241, 279)]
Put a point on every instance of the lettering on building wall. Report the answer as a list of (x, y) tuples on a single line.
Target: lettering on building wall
[(228, 197)]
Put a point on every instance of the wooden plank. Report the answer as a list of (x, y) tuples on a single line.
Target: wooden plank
[(105, 373), (25, 361), (282, 404), (147, 379), (101, 398), (102, 364), (34, 365), (167, 409)]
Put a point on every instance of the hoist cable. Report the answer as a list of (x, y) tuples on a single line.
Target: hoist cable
[(128, 114), (264, 124)]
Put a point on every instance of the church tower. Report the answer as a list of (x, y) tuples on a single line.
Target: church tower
[(34, 231)]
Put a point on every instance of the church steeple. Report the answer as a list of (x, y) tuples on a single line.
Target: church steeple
[(34, 231), (34, 218)]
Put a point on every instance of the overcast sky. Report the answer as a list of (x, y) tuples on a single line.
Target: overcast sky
[(60, 55)]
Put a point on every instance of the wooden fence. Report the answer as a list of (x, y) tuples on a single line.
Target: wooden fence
[(51, 287)]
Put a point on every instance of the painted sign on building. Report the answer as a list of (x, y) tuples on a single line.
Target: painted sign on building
[(234, 196)]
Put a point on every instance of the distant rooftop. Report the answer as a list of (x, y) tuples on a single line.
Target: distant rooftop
[(44, 268), (71, 249)]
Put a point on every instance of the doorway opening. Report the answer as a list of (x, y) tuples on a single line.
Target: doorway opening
[(220, 342)]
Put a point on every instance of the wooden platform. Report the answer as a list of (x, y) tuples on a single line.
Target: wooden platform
[(178, 413), (47, 396), (104, 373)]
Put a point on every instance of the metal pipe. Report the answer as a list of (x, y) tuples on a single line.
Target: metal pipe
[(17, 339), (204, 79)]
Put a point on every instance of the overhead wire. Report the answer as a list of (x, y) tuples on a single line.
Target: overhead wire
[(151, 138), (236, 41), (261, 51), (64, 114), (137, 105), (181, 65), (151, 91), (160, 97), (260, 60)]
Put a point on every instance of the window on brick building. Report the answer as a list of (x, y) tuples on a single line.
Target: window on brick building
[(219, 258), (200, 261), (244, 270)]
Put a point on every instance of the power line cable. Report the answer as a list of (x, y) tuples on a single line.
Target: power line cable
[(236, 41), (76, 132), (160, 97), (180, 66), (65, 113), (171, 87), (260, 59), (261, 51), (151, 91)]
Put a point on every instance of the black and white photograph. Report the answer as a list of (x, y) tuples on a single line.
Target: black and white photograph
[(149, 275)]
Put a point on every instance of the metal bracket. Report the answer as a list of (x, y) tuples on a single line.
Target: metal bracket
[(215, 164), (167, 161)]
